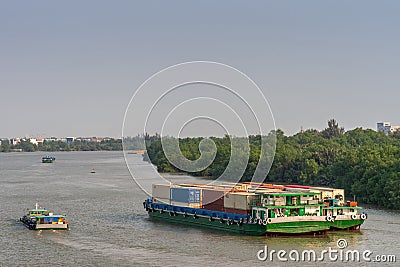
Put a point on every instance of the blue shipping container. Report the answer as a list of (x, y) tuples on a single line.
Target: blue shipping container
[(187, 195)]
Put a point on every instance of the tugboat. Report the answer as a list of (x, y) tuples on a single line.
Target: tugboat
[(48, 159), (347, 215), (42, 219)]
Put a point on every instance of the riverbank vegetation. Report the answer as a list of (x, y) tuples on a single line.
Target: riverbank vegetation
[(52, 146), (362, 161)]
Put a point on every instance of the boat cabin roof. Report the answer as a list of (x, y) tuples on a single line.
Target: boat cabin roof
[(50, 216), (38, 210), (341, 207), (289, 194)]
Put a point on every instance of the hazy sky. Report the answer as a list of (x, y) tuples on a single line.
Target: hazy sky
[(69, 68)]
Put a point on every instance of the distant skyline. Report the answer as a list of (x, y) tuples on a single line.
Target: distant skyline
[(70, 68)]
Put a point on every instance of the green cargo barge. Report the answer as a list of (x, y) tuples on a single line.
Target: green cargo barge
[(261, 209), (345, 218)]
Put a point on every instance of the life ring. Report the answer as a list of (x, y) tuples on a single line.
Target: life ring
[(328, 218), (363, 216), (264, 222), (269, 220), (259, 221), (353, 216)]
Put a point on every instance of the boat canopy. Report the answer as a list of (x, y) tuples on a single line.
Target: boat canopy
[(288, 194), (50, 216)]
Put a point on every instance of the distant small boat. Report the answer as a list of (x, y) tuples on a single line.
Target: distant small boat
[(48, 159), (92, 171), (42, 219)]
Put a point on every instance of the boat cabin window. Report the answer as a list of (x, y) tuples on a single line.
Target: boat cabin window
[(340, 197)]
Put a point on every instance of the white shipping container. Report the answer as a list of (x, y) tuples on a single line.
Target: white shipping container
[(241, 201), (229, 201), (161, 191)]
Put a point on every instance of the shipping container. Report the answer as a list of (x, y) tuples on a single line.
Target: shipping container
[(242, 201), (298, 186), (229, 201), (186, 195), (161, 191), (214, 207), (238, 211), (213, 196)]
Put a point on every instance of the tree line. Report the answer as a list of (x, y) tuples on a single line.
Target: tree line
[(362, 161), (27, 146)]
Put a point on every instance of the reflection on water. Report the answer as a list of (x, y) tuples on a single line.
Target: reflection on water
[(108, 225)]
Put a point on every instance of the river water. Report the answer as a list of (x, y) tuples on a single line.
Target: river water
[(108, 226)]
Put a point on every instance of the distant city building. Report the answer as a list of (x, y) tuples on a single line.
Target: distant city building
[(70, 139), (14, 141), (386, 127), (33, 141)]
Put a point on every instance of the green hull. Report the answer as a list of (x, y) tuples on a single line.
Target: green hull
[(47, 161), (244, 229), (298, 227), (346, 224)]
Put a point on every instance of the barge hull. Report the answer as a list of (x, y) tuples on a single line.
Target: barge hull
[(244, 229), (346, 224), (302, 227)]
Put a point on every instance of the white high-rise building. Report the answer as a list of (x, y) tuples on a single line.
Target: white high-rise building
[(386, 127)]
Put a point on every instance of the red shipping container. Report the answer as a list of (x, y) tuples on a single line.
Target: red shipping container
[(213, 196), (214, 207), (236, 211)]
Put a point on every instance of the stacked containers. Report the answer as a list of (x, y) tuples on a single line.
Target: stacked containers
[(186, 197), (161, 193), (213, 199), (241, 203)]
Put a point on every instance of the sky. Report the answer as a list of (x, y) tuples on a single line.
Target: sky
[(70, 68)]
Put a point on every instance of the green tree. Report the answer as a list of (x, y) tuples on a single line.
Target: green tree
[(333, 129)]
